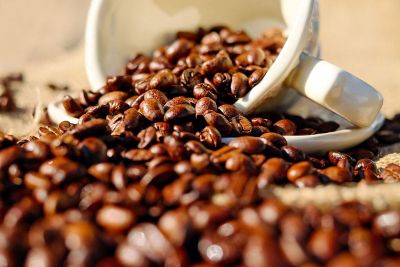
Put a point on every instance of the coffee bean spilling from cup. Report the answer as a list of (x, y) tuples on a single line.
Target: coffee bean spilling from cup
[(144, 179)]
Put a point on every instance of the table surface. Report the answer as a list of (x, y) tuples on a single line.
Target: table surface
[(44, 39)]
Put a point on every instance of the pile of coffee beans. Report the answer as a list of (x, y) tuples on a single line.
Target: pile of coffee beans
[(144, 179)]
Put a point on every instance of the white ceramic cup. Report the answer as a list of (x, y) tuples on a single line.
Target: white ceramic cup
[(117, 29)]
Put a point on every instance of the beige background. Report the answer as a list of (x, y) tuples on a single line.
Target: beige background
[(44, 39)]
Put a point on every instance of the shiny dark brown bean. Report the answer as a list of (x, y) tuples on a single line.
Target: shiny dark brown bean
[(163, 79), (220, 63), (204, 90), (204, 104), (101, 171), (137, 155), (285, 127), (293, 154), (248, 144), (175, 148), (272, 171), (61, 170), (94, 127), (175, 225), (337, 174), (218, 121), (72, 107), (152, 110), (222, 81), (93, 150), (276, 139), (190, 78), (131, 118), (255, 56), (241, 125), (210, 136), (179, 48), (299, 170), (179, 112), (309, 180), (256, 76), (147, 137), (239, 85), (115, 95), (229, 111)]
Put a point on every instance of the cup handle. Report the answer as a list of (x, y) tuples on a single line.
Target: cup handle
[(336, 90)]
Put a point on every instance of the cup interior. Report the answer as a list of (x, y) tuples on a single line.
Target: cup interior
[(128, 27)]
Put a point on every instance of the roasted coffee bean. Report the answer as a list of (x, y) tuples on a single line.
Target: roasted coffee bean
[(121, 82), (72, 107), (239, 85), (255, 56), (135, 101), (93, 150), (175, 148), (160, 175), (156, 94), (220, 63), (204, 104), (94, 127), (275, 139), (210, 136), (190, 78), (387, 223), (352, 214), (147, 137), (248, 144), (114, 218), (179, 112), (151, 109), (256, 76), (131, 118), (284, 127), (180, 100), (137, 155), (114, 95), (365, 245), (219, 122), (323, 244), (326, 127), (241, 125), (163, 79), (337, 174), (222, 81), (61, 170), (101, 171), (138, 64), (179, 48), (9, 155), (272, 171), (299, 170), (309, 180), (204, 90), (293, 154), (229, 111), (175, 224)]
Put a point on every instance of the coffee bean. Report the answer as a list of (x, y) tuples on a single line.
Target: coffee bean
[(220, 63), (299, 170), (272, 171), (190, 78), (114, 218), (204, 104), (293, 154), (35, 180), (323, 244), (204, 90), (219, 122), (137, 155), (241, 125), (163, 79), (93, 150), (111, 96), (248, 144), (387, 223), (337, 174), (176, 149), (285, 127), (210, 136), (147, 137), (239, 85), (179, 48), (151, 109), (101, 171), (222, 81), (256, 76), (135, 101), (131, 118), (309, 180), (61, 170), (274, 138), (255, 56), (72, 107), (94, 127), (179, 112)]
